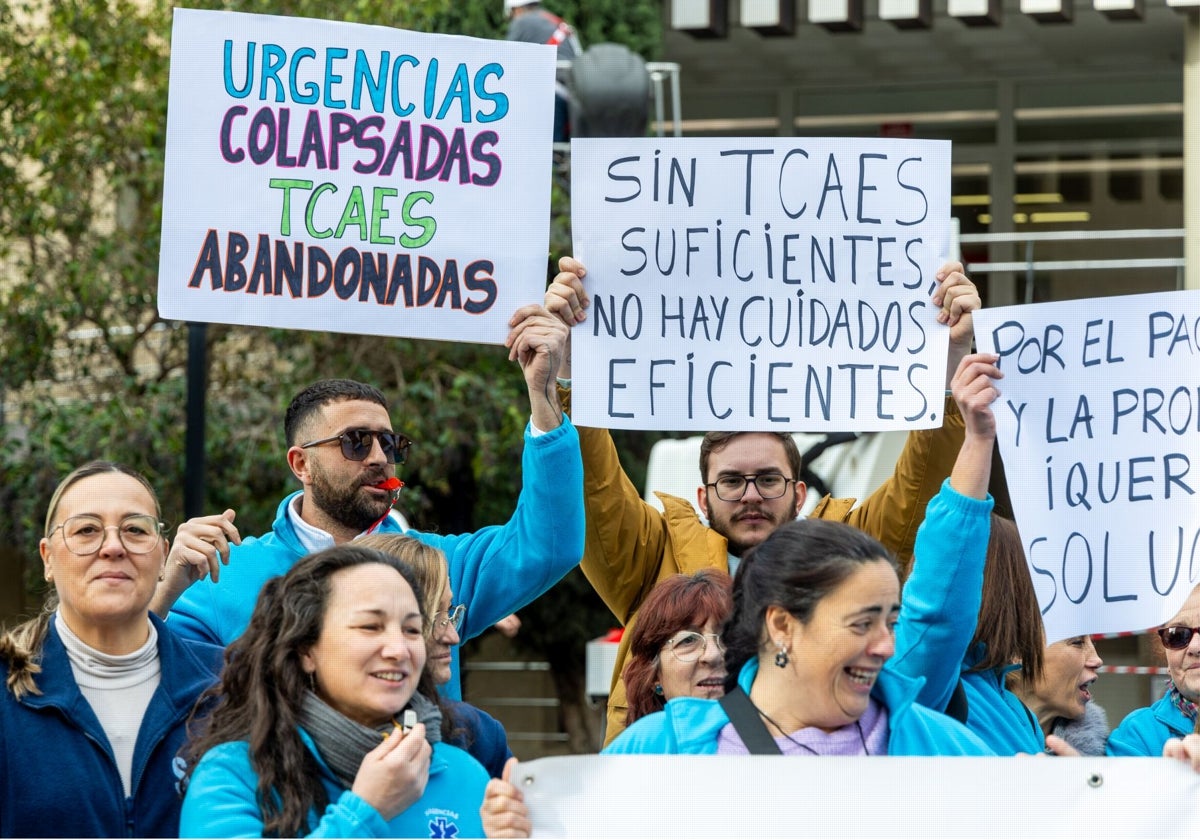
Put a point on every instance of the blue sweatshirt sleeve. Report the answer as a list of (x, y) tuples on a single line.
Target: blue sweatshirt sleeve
[(941, 600), (500, 568)]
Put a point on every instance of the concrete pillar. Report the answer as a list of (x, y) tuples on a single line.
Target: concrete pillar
[(1002, 285), (785, 106)]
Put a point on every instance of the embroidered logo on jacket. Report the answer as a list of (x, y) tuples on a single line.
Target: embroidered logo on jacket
[(442, 827)]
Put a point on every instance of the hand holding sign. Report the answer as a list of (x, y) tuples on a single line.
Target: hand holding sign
[(537, 341)]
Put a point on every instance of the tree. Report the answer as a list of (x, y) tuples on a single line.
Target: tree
[(88, 369)]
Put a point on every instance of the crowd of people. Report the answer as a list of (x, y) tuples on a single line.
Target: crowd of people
[(306, 681)]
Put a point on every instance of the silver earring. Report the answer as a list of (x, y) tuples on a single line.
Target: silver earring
[(781, 655)]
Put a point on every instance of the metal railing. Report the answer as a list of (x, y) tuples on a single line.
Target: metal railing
[(1030, 265)]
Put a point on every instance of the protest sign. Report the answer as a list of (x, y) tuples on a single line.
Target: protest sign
[(770, 796), (335, 176), (1098, 424), (760, 283)]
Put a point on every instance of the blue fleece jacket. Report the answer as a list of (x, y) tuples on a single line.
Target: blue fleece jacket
[(690, 725), (58, 775), (1145, 730), (494, 571), (222, 799), (938, 615)]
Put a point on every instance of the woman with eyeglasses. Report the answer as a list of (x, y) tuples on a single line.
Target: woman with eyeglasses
[(676, 649), (465, 726), (98, 690), (1149, 730)]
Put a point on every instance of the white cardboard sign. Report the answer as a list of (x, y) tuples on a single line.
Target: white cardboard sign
[(760, 283), (335, 176), (1098, 424)]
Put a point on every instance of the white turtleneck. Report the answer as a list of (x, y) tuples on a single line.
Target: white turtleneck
[(118, 688)]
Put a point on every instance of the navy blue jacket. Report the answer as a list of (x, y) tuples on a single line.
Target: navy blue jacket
[(58, 776), (482, 736)]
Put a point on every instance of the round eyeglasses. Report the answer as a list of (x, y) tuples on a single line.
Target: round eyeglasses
[(731, 488), (84, 534), (689, 645), (357, 444), (453, 616)]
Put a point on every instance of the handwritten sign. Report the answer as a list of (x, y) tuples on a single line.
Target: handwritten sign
[(760, 284), (1099, 428), (335, 176), (764, 796)]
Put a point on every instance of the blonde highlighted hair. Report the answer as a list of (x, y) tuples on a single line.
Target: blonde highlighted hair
[(427, 562)]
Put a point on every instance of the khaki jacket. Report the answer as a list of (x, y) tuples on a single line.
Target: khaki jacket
[(631, 545)]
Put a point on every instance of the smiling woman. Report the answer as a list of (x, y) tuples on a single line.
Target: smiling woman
[(305, 736), (97, 689), (675, 650), (814, 611), (463, 725)]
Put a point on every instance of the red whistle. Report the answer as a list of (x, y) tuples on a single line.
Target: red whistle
[(392, 483)]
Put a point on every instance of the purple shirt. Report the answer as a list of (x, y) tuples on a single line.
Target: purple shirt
[(844, 741)]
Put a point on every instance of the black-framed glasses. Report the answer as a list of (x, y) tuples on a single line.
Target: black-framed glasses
[(689, 645), (1177, 638), (731, 488), (357, 443), (453, 616), (84, 534)]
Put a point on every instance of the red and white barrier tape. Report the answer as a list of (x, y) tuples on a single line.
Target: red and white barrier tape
[(1124, 634), (1150, 670)]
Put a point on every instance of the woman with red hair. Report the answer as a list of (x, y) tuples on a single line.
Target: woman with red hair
[(675, 648)]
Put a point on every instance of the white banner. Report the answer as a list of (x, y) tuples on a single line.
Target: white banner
[(760, 283), (781, 796), (336, 176), (1099, 428)]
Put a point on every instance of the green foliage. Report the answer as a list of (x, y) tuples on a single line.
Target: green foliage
[(88, 369), (140, 428), (635, 23)]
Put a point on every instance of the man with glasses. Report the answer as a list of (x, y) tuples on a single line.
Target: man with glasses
[(750, 485), (343, 451)]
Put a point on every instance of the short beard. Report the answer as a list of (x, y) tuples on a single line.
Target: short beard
[(350, 509), (738, 549)]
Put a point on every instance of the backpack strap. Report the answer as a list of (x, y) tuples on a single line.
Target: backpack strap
[(749, 726)]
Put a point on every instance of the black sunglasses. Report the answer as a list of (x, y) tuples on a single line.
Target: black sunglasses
[(1177, 638), (357, 443)]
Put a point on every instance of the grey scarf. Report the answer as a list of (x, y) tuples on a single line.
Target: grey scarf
[(343, 743)]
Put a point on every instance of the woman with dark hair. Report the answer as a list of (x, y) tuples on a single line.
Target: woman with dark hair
[(463, 725), (306, 738), (98, 690), (814, 611), (676, 649)]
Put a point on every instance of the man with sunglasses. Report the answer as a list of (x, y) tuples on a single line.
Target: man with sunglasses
[(1145, 731), (750, 485), (344, 452)]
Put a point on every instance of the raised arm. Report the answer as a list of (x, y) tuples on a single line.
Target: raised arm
[(942, 596), (626, 536), (894, 511)]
